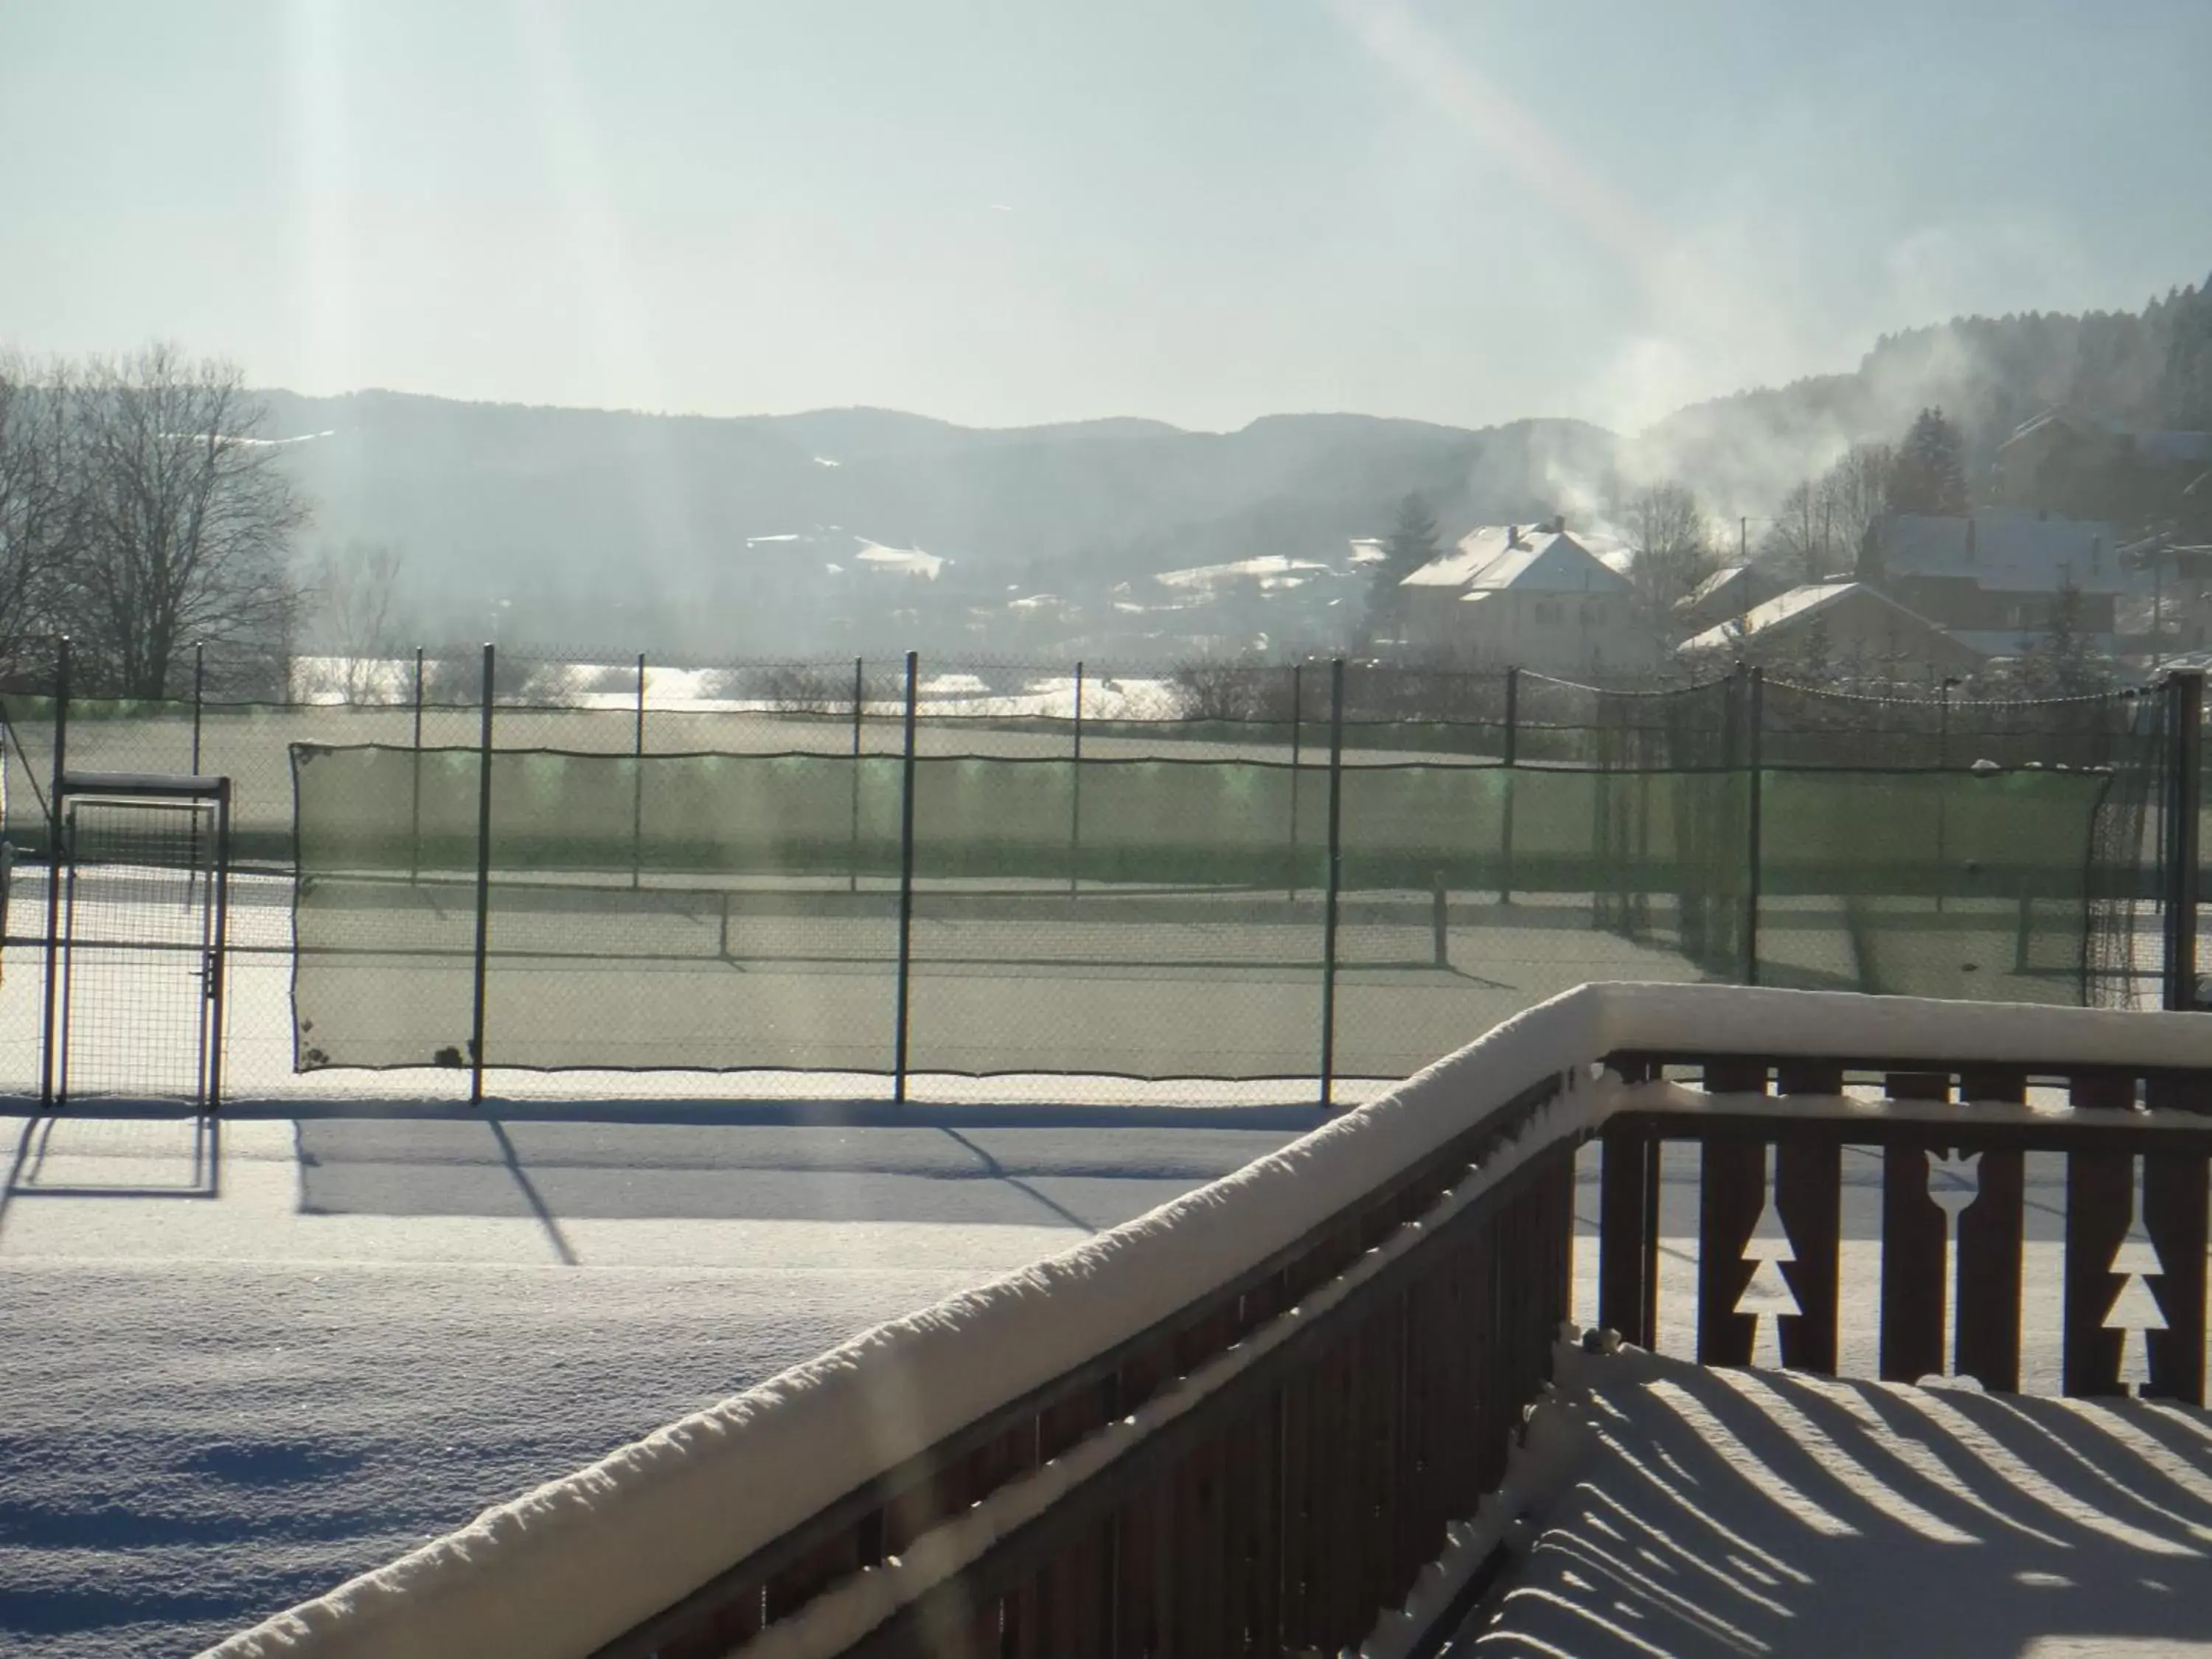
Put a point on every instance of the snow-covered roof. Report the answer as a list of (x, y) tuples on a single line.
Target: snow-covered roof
[(907, 560), (1368, 550), (1270, 570), (2160, 448), (2063, 419), (1614, 552), (2006, 552), (1497, 557), (1793, 606), (1713, 586)]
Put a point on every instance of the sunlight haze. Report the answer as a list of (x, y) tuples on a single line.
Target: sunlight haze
[(1002, 214)]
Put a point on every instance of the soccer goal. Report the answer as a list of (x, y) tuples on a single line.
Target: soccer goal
[(135, 929)]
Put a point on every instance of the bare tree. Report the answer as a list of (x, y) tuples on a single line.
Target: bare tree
[(39, 520), (1797, 539), (1673, 549), (356, 597), (1854, 495), (188, 518), (1232, 690)]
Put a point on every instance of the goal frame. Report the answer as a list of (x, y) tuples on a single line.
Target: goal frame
[(143, 788)]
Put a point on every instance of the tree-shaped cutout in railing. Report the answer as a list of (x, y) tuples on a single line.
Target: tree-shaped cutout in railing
[(1767, 1299), (2135, 1312), (1953, 1185)]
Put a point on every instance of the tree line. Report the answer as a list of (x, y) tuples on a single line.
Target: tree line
[(144, 512)]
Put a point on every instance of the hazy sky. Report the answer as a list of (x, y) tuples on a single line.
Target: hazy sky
[(999, 213)]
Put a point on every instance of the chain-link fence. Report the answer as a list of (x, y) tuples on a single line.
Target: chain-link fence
[(1299, 872)]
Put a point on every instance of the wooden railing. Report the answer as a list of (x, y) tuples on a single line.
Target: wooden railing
[(1268, 1467), (2105, 1118), (1287, 1504)]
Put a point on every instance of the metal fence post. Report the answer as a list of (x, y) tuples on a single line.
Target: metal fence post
[(1297, 727), (1336, 880), (415, 807), (637, 784), (1942, 792), (50, 993), (906, 889), (2185, 716), (1075, 790), (199, 685), (860, 689), (483, 879), (1512, 759), (1754, 718), (218, 959)]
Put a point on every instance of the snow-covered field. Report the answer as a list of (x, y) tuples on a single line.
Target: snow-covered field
[(1736, 1513), (239, 1364)]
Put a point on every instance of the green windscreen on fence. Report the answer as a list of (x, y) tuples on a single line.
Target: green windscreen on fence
[(703, 912), (1144, 917), (1930, 883), (1468, 894)]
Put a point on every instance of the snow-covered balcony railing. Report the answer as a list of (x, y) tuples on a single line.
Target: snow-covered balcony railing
[(1250, 1421)]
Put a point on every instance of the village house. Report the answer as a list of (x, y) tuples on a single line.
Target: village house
[(1515, 596), (1995, 581)]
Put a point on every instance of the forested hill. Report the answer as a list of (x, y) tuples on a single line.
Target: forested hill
[(2150, 370)]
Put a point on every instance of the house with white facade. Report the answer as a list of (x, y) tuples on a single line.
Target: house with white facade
[(1526, 596)]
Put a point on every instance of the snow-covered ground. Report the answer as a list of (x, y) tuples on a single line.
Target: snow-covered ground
[(1734, 1513), (239, 1364), (242, 1363)]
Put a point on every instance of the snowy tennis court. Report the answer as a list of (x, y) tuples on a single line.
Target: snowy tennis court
[(1047, 1011)]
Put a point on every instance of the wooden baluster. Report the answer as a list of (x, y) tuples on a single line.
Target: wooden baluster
[(2099, 1197), (1144, 1610), (1387, 1578), (1986, 1344), (1628, 1237), (1914, 1241), (1442, 1396), (1809, 1197), (1731, 1191), (1294, 1608), (1196, 1561), (1352, 1452), (1255, 1622), (1559, 1264), (2174, 1216)]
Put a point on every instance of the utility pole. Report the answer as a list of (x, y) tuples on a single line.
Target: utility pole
[(1743, 541)]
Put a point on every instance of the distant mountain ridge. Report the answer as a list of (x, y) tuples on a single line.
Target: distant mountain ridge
[(738, 535), (594, 525)]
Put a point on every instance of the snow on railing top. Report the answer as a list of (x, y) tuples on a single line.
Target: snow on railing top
[(567, 1568)]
